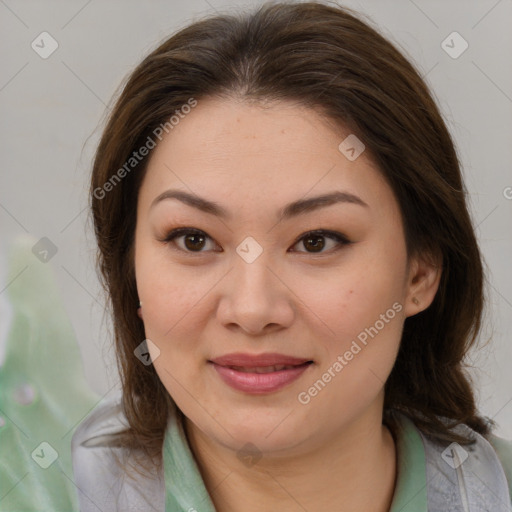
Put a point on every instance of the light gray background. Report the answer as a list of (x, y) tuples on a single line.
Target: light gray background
[(50, 122)]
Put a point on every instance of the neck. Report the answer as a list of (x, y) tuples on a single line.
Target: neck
[(355, 469)]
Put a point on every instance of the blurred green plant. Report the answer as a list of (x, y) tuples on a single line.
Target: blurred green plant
[(43, 391)]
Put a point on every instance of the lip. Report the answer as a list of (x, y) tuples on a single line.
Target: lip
[(251, 360), (259, 383)]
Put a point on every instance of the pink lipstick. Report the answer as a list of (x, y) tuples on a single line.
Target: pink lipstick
[(259, 374)]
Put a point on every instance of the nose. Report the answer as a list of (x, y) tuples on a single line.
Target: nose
[(256, 298)]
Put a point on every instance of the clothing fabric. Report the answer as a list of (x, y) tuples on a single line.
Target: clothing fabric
[(430, 477)]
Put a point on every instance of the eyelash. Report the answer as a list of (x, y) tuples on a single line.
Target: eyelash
[(341, 239)]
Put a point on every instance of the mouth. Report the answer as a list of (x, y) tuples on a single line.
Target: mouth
[(268, 359), (266, 369), (260, 374)]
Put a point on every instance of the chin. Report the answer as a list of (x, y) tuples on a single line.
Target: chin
[(266, 436)]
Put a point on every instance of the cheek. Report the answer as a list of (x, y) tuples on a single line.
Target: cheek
[(365, 318), (169, 293), (354, 298), (362, 306), (174, 321)]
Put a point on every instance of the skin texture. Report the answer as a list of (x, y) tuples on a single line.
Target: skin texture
[(204, 303)]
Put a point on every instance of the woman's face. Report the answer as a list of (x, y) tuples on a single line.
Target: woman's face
[(262, 333)]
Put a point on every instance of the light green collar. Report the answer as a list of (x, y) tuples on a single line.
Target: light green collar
[(186, 492), (184, 487), (411, 482)]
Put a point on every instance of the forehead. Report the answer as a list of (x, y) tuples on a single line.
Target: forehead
[(248, 154), (224, 129)]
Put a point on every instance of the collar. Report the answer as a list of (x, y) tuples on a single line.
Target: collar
[(186, 491), (411, 481)]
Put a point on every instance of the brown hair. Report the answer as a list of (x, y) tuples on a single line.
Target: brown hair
[(323, 57)]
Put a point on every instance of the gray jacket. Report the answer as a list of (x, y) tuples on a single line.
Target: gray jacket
[(458, 479)]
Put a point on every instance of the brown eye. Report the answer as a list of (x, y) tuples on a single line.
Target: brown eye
[(314, 241), (194, 240)]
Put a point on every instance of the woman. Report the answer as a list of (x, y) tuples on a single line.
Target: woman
[(294, 280)]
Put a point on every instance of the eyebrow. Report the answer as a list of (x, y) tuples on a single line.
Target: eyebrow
[(293, 209)]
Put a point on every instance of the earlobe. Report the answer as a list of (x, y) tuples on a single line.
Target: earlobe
[(139, 310), (423, 283)]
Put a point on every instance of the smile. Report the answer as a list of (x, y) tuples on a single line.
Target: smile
[(260, 379), (261, 369)]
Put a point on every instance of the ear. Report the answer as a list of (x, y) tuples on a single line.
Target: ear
[(422, 282), (139, 312)]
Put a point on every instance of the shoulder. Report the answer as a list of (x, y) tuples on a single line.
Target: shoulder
[(478, 474), (100, 462), (503, 448), (100, 426)]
